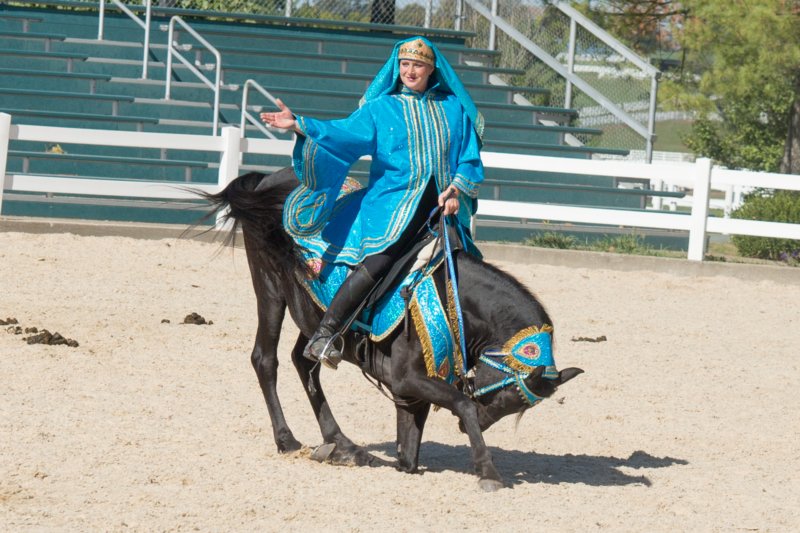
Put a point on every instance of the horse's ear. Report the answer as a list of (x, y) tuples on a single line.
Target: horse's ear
[(567, 374)]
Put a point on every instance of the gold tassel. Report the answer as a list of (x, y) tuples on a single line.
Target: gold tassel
[(424, 338), (452, 317)]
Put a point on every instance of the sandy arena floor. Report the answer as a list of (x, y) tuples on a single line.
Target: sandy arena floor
[(686, 418)]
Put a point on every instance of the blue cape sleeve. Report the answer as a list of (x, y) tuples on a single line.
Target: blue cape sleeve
[(322, 156), (469, 171)]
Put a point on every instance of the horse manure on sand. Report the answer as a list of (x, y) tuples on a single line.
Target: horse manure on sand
[(194, 318), (45, 337), (601, 338), (35, 336)]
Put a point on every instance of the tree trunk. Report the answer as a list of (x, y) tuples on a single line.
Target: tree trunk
[(791, 151), (382, 12)]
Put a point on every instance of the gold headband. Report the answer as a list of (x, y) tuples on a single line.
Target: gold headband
[(418, 51)]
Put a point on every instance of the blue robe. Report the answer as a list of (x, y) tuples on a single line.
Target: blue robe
[(411, 138)]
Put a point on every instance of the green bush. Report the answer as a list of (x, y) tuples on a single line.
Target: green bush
[(780, 206)]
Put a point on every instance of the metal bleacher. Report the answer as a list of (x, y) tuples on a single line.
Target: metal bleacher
[(54, 71)]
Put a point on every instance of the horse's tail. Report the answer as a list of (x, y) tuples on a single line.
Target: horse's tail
[(245, 202), (254, 202)]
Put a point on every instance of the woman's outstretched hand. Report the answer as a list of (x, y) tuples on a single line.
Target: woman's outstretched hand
[(283, 119), (448, 200)]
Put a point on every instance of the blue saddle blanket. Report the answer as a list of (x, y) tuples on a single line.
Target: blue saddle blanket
[(439, 347)]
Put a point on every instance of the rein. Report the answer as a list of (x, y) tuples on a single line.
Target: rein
[(400, 402), (451, 271)]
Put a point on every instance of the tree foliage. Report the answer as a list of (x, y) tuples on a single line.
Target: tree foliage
[(745, 74), (740, 75), (739, 72), (643, 25)]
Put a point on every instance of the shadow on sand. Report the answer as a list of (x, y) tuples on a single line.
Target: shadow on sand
[(518, 467)]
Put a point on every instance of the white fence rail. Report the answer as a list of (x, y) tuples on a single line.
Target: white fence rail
[(698, 176), (229, 145)]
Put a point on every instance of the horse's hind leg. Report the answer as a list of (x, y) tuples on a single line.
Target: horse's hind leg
[(410, 423), (338, 449), (265, 363)]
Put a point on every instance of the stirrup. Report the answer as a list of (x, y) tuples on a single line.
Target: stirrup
[(330, 355)]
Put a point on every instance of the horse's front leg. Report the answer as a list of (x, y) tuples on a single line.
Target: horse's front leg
[(337, 448), (415, 383), (265, 363), (410, 423)]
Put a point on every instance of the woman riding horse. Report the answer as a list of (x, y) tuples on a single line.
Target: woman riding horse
[(423, 132), (507, 356)]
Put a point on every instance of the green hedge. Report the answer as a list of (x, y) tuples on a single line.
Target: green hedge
[(780, 206)]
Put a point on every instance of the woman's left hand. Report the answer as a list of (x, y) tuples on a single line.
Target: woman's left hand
[(448, 200), (283, 119)]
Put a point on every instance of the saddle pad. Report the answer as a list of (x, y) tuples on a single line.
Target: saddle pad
[(426, 308)]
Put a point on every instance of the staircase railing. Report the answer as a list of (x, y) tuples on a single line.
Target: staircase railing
[(246, 116), (564, 65), (133, 16), (172, 49)]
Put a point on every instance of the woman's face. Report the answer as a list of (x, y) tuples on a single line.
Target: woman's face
[(415, 74)]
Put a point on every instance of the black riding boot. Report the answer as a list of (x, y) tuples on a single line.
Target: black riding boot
[(322, 346)]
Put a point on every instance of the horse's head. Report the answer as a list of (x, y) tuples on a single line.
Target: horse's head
[(501, 390)]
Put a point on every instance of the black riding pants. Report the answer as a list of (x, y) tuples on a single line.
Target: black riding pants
[(378, 264)]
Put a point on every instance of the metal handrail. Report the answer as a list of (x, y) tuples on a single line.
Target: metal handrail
[(607, 38), (496, 22), (576, 17), (144, 25), (172, 48), (247, 117)]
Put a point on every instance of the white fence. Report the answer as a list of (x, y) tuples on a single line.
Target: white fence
[(698, 176), (229, 145)]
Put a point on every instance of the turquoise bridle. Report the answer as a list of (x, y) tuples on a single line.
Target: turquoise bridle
[(515, 377), (526, 350)]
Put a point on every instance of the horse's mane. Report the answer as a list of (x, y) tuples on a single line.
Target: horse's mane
[(504, 282), (255, 201), (502, 275)]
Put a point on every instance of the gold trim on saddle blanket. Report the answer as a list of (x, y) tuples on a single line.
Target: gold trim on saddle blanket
[(452, 317), (424, 340), (443, 370)]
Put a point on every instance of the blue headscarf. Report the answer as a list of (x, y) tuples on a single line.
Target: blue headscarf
[(385, 82)]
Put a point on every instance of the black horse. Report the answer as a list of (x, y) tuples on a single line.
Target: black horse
[(495, 306)]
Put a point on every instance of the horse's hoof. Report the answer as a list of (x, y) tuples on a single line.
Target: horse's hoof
[(490, 485), (352, 456), (323, 452), (407, 468), (288, 445)]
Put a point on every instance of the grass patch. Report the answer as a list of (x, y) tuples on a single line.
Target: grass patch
[(635, 244), (552, 239), (671, 134), (625, 244)]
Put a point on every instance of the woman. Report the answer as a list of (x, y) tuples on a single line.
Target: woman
[(422, 130)]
